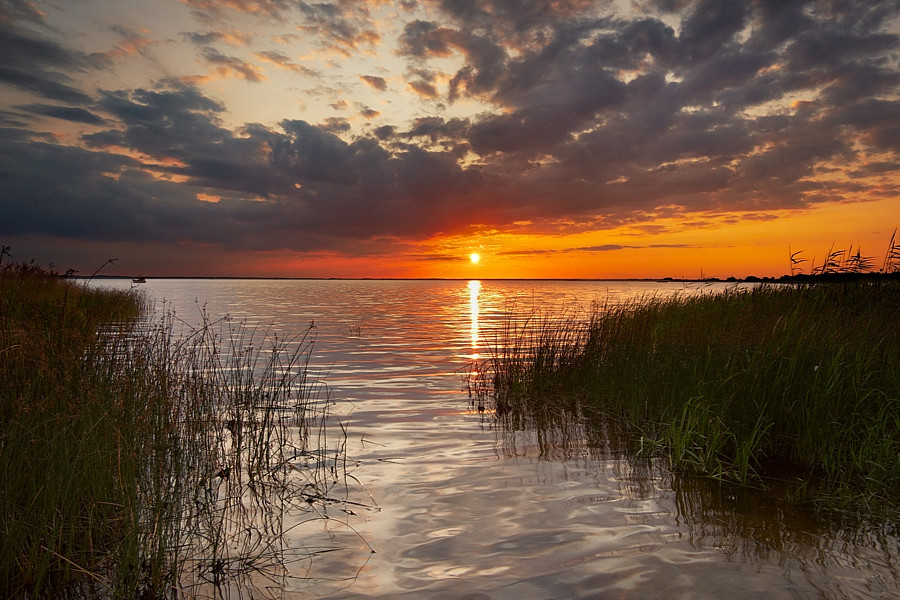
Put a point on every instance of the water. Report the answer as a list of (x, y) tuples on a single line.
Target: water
[(454, 507)]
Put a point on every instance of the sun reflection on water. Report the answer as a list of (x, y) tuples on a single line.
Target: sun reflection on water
[(474, 289)]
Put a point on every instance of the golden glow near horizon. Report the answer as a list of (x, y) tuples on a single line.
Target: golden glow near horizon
[(724, 245)]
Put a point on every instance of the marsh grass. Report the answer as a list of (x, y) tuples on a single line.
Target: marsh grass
[(149, 459), (748, 385)]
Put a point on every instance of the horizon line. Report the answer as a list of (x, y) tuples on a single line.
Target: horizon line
[(730, 279)]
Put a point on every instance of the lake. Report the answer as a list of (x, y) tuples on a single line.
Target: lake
[(447, 504)]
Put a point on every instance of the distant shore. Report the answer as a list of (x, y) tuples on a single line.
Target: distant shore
[(798, 278)]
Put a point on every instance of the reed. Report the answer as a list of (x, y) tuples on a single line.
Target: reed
[(747, 385), (144, 459)]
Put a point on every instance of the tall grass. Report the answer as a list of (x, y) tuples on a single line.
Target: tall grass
[(140, 460), (744, 385)]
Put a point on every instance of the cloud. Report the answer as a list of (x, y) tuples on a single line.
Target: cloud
[(281, 60), (672, 117), (341, 28), (67, 113), (171, 122), (134, 42), (424, 39), (377, 83), (15, 10), (562, 114), (270, 8), (423, 88), (385, 132), (336, 125), (232, 38), (436, 128), (484, 57), (602, 248), (41, 66), (46, 85), (230, 66), (709, 26), (299, 187)]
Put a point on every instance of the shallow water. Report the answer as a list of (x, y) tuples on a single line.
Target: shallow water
[(451, 506)]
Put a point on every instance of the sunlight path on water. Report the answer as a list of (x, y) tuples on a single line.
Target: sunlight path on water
[(454, 507)]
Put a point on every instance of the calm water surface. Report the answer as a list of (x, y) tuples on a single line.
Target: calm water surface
[(453, 507)]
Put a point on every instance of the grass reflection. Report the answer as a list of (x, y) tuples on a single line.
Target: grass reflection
[(737, 521)]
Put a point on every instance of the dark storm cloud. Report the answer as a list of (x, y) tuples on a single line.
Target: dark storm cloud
[(9, 120), (422, 39), (300, 186), (336, 125), (47, 85), (385, 132), (95, 195), (59, 190), (484, 57), (692, 126), (708, 26), (40, 66), (23, 50), (360, 189), (437, 129), (67, 113), (168, 122)]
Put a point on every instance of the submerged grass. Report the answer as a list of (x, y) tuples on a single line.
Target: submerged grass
[(139, 461), (745, 385)]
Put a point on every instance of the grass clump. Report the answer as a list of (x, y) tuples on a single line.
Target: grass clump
[(143, 462), (743, 385)]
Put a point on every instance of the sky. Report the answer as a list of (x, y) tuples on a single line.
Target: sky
[(344, 138)]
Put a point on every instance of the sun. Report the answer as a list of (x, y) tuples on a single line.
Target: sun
[(475, 258)]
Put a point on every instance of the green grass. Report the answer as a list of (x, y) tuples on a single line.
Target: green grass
[(142, 461), (742, 386)]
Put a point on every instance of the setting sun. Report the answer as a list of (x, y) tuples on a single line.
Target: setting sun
[(475, 258)]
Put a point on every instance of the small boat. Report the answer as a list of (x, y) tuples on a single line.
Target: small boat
[(139, 280)]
